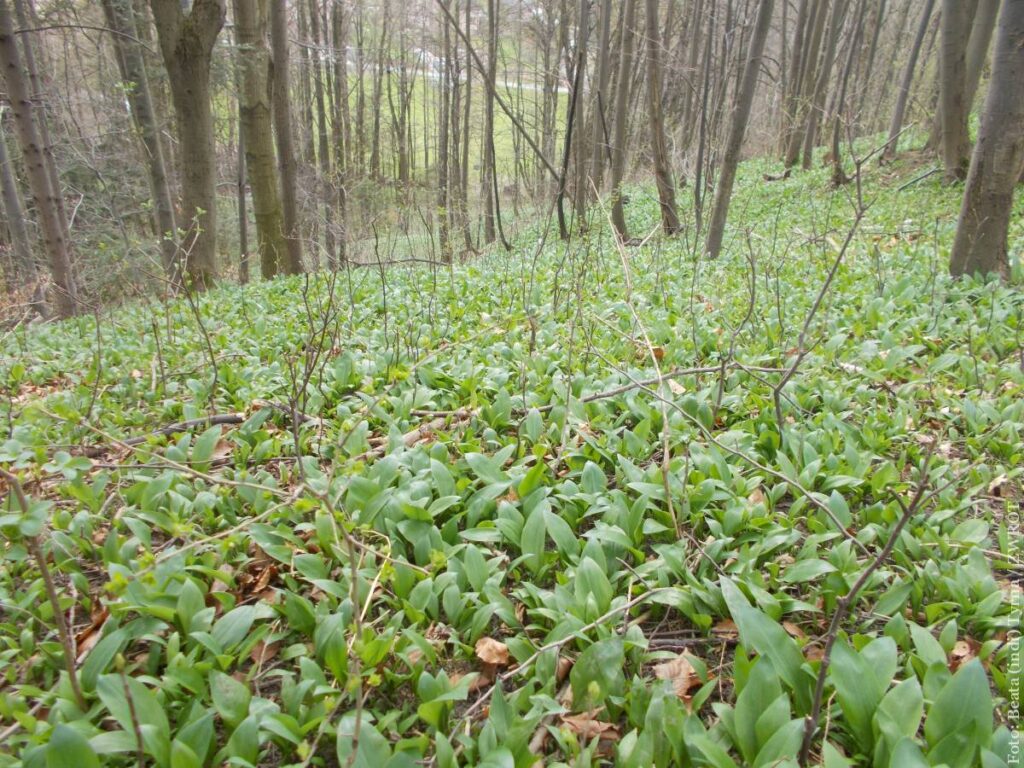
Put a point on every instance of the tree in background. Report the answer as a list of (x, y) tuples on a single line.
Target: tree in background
[(980, 246), (255, 101), (737, 128), (186, 42), (39, 167)]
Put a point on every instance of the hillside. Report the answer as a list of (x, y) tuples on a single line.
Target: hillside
[(537, 506)]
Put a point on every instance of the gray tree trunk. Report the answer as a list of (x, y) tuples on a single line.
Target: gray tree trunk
[(980, 246), (21, 243), (51, 224), (953, 106), (903, 95), (292, 263), (186, 42), (737, 130)]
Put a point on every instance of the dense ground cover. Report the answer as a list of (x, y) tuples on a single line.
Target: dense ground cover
[(537, 504)]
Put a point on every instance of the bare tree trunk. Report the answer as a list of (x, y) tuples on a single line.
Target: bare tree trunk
[(980, 246), (599, 112), (323, 142), (292, 263), (341, 125), (978, 44), (817, 107), (903, 95), (737, 129), (54, 229), (807, 81), (622, 117), (444, 117), (255, 107), (956, 146), (662, 169), (488, 170), (243, 212), (186, 41), (120, 16), (24, 263)]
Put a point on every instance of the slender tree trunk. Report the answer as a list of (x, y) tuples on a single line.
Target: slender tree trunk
[(737, 129), (53, 228), (186, 41), (21, 244), (807, 80), (323, 141), (243, 212), (598, 121), (444, 118), (817, 107), (980, 246), (903, 95), (255, 106), (120, 16), (292, 263), (978, 44), (488, 170), (955, 141), (662, 169), (341, 125), (622, 118)]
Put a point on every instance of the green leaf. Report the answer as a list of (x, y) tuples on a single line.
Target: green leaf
[(963, 707), (807, 570), (597, 673), (233, 627), (230, 697), (67, 748)]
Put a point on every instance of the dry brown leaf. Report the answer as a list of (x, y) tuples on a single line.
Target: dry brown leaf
[(264, 652), (963, 651), (680, 672), (814, 652), (563, 668), (491, 651), (726, 629), (586, 726), (793, 630)]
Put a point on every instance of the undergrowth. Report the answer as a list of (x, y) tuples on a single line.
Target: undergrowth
[(538, 506)]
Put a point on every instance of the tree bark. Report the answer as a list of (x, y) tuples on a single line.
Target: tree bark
[(21, 243), (662, 168), (186, 42), (622, 118), (255, 106), (953, 106), (53, 227), (737, 129), (903, 95), (980, 246), (282, 99)]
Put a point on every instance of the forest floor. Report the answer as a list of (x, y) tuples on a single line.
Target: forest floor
[(590, 504)]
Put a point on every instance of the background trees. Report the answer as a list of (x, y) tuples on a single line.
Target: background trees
[(374, 129)]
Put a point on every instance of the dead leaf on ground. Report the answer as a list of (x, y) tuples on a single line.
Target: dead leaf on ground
[(586, 726), (264, 652), (491, 651), (793, 630), (963, 651), (680, 672), (726, 629), (814, 652)]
